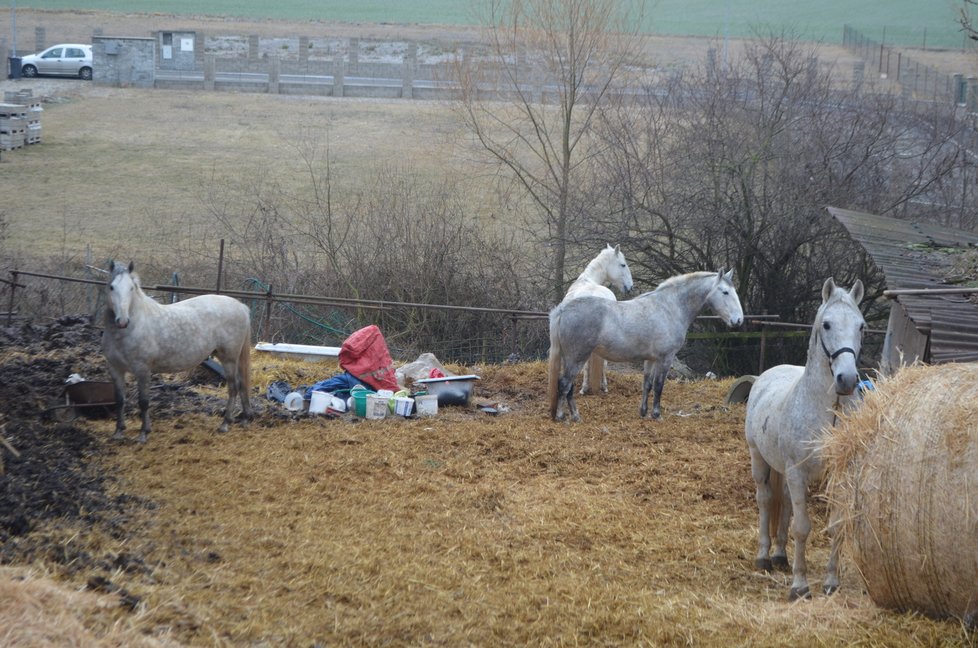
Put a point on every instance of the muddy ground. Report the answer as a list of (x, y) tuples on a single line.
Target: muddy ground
[(55, 479)]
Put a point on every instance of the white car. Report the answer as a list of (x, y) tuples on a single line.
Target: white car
[(67, 59)]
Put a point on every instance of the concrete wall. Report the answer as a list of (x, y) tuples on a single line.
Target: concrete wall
[(177, 49), (123, 61)]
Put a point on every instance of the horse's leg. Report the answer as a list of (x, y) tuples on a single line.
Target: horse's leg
[(647, 374), (586, 381), (654, 381), (142, 380), (565, 390), (761, 473), (801, 527), (604, 375), (831, 584), (780, 555), (119, 381), (233, 378)]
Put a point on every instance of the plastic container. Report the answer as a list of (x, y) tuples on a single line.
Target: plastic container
[(451, 390), (426, 404), (319, 401), (376, 406), (294, 401), (403, 405), (359, 397)]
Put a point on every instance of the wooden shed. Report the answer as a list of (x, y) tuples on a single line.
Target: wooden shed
[(933, 313)]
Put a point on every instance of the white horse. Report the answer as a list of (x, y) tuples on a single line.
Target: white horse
[(609, 268), (143, 337), (652, 327), (788, 410)]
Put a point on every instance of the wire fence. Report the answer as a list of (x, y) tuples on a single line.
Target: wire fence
[(914, 79), (509, 335)]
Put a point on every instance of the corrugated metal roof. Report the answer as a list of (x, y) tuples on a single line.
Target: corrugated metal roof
[(915, 255)]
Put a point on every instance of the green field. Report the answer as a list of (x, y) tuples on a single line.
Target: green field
[(914, 23)]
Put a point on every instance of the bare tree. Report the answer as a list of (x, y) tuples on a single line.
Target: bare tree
[(531, 102), (967, 19), (733, 166)]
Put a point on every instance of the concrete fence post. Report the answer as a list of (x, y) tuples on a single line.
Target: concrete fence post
[(407, 69), (958, 87), (303, 49), (209, 71), (274, 72), (253, 47), (39, 38), (199, 49), (353, 54), (972, 97), (858, 74), (339, 72)]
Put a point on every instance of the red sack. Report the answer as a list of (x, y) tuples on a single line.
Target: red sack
[(364, 354)]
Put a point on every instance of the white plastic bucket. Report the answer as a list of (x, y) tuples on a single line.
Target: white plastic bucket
[(403, 405), (319, 402), (426, 405), (293, 402), (376, 406)]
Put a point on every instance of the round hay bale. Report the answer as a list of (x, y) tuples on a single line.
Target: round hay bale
[(903, 479)]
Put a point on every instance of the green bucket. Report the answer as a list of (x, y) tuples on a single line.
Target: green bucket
[(360, 401)]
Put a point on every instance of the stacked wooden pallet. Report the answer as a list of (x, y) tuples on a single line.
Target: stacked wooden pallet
[(20, 120)]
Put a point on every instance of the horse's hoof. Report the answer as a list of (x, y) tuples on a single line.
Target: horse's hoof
[(576, 418), (803, 593), (781, 563), (142, 437), (764, 564), (830, 589), (223, 428), (118, 436)]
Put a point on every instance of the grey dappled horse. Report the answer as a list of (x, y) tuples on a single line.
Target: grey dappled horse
[(143, 337), (651, 327), (608, 268), (788, 410)]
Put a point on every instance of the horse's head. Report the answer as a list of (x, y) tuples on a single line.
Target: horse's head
[(121, 287), (839, 326), (723, 300), (617, 270)]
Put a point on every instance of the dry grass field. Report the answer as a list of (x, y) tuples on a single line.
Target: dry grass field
[(463, 529)]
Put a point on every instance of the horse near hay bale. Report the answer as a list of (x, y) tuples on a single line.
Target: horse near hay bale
[(903, 478), (788, 412)]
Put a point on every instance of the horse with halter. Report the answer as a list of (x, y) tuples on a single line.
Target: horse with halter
[(143, 337), (788, 410), (651, 327), (608, 268)]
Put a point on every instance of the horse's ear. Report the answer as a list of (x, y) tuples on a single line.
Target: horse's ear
[(132, 266), (729, 275), (827, 288), (617, 248), (111, 266), (856, 292)]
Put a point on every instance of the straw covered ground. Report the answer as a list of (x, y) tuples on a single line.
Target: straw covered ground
[(464, 529)]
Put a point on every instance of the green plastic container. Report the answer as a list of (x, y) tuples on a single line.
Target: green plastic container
[(360, 401)]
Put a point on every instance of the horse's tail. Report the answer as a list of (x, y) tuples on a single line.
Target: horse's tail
[(244, 367), (776, 482), (553, 365)]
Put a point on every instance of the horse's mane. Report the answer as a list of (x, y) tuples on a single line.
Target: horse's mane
[(677, 281)]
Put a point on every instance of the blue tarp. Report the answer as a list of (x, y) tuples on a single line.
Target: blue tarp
[(342, 383)]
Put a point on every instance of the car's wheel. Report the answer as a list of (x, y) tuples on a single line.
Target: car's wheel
[(85, 73), (29, 71)]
